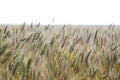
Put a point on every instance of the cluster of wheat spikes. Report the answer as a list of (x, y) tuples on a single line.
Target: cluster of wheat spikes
[(36, 52)]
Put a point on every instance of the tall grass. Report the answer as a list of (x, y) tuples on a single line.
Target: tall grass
[(39, 52)]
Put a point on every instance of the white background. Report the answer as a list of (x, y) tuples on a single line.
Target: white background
[(60, 11)]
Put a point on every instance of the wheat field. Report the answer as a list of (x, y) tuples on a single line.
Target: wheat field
[(61, 52)]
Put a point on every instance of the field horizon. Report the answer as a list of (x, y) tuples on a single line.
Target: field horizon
[(61, 25)]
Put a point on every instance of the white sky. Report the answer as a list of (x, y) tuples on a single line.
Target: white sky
[(62, 11)]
